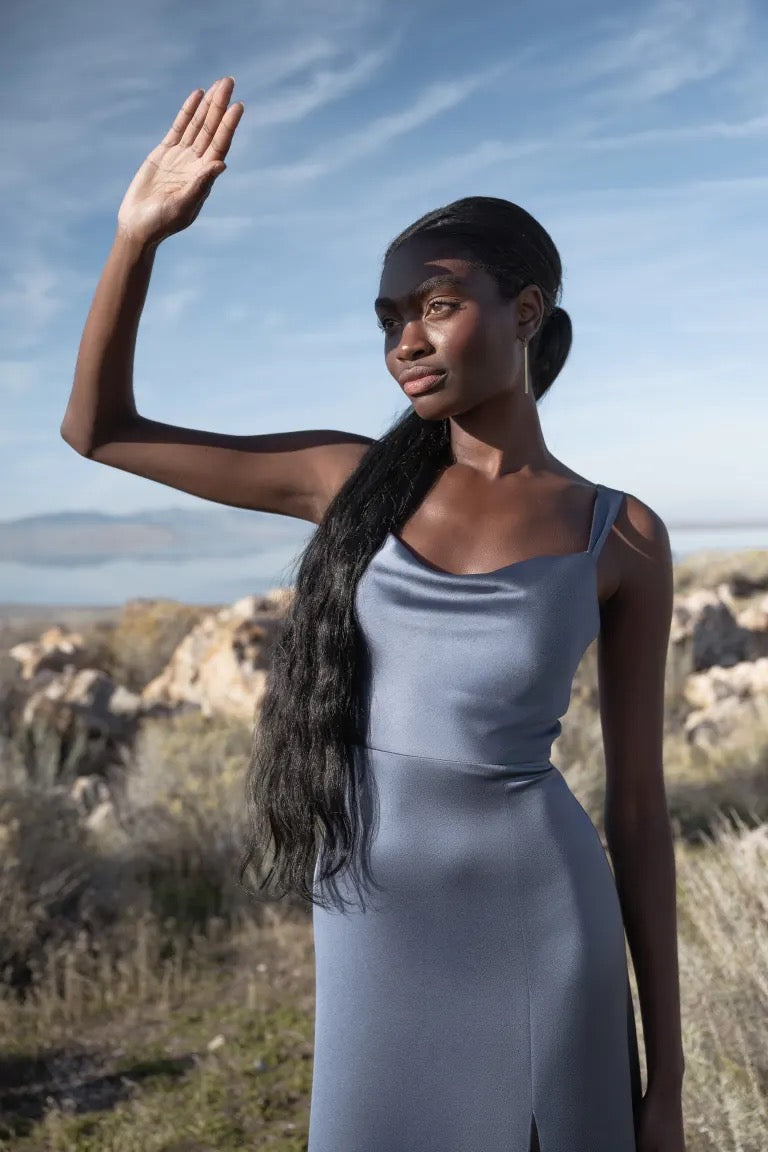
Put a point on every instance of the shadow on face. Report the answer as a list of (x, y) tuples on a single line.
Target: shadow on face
[(438, 311)]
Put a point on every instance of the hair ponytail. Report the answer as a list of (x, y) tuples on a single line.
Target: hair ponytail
[(550, 348), (301, 792)]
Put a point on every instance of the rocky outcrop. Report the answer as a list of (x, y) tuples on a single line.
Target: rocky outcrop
[(717, 631), (72, 723), (725, 644), (725, 701), (222, 664), (75, 721), (54, 651)]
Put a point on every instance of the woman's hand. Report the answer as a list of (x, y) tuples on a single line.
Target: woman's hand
[(171, 186), (661, 1122)]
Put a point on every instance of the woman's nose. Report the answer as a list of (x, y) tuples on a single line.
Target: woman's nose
[(412, 337)]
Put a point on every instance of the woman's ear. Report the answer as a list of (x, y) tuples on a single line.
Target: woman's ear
[(530, 311)]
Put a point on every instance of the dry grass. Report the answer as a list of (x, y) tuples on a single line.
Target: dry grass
[(208, 1046), (723, 947)]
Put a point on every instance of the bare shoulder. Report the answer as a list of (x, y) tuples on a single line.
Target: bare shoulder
[(641, 568), (642, 530)]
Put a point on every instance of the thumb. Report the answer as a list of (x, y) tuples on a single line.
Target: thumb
[(205, 183)]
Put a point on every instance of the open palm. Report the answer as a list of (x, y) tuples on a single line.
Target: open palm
[(170, 187)]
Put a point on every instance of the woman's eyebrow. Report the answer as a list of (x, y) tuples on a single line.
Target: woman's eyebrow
[(443, 280)]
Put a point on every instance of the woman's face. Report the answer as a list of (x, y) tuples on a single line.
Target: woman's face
[(461, 328)]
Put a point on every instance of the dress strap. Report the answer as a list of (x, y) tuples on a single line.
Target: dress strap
[(607, 504)]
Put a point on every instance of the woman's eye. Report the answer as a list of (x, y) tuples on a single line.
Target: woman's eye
[(382, 324)]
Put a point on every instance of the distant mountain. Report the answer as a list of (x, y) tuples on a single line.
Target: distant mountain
[(91, 538), (75, 539)]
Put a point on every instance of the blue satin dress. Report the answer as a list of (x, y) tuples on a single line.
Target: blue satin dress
[(480, 1000)]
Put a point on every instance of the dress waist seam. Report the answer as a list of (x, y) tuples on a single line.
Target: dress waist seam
[(541, 764)]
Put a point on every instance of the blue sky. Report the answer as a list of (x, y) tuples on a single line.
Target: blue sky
[(635, 132)]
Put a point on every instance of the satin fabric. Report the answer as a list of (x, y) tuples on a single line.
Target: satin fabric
[(481, 987)]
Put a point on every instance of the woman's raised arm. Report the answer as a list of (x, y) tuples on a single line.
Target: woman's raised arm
[(291, 473)]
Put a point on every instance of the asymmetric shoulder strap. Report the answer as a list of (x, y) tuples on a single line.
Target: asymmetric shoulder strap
[(607, 504)]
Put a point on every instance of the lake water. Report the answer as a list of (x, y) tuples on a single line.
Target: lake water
[(218, 581)]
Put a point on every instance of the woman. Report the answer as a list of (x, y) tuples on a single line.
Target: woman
[(472, 988)]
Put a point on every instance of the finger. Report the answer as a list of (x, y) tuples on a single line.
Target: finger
[(183, 117), (220, 144), (194, 125), (216, 109)]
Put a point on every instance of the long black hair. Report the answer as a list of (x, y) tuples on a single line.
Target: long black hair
[(301, 792)]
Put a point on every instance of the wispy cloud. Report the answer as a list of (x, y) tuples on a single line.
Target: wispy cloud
[(467, 165), (322, 87), (654, 51), (681, 133), (665, 47), (431, 102), (83, 64), (265, 70)]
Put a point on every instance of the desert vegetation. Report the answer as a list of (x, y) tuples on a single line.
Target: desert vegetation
[(148, 1001)]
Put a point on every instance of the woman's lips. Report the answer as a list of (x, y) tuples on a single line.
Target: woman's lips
[(422, 384)]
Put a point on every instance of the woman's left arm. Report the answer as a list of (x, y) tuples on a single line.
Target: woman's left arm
[(632, 656)]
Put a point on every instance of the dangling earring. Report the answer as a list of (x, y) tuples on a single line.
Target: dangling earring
[(525, 358)]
